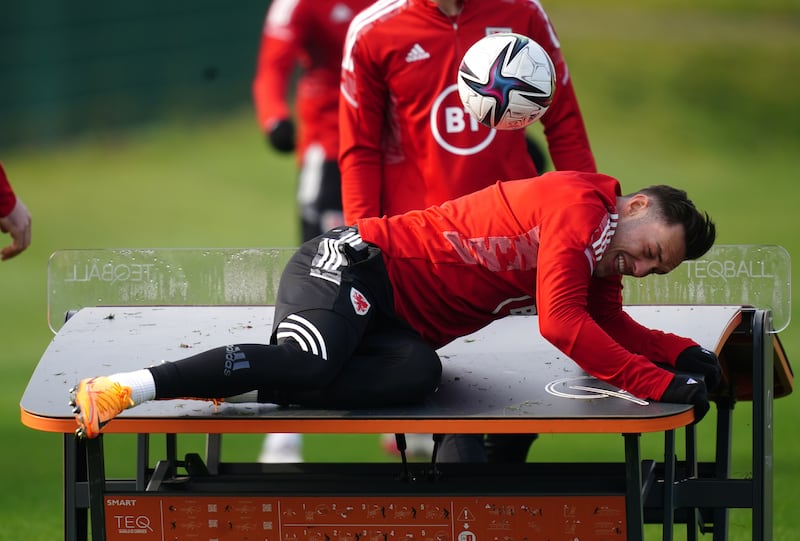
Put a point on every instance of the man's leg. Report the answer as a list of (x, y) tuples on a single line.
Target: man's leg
[(319, 195), (495, 448), (281, 447), (462, 448), (390, 367), (508, 448), (316, 329)]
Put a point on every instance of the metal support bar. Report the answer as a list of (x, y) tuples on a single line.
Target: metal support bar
[(762, 425), (161, 472), (691, 473), (669, 486), (705, 493), (722, 461), (75, 514), (213, 452), (171, 453), (634, 510), (95, 466), (142, 460)]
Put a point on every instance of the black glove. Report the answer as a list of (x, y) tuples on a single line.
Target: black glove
[(281, 135), (700, 361), (685, 389)]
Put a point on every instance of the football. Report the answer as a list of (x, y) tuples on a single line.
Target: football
[(506, 81)]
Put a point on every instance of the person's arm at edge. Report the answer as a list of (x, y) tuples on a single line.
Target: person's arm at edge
[(14, 219), (362, 108), (274, 68)]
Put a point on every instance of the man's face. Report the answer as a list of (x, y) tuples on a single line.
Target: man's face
[(643, 244)]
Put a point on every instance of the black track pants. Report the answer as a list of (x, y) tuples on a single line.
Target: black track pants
[(336, 341)]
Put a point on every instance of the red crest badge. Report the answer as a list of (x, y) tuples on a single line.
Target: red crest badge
[(360, 303)]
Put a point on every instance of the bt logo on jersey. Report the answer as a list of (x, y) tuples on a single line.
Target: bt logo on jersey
[(456, 120), (454, 129)]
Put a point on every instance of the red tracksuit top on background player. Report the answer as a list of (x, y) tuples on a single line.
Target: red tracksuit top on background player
[(8, 199), (519, 246), (406, 141), (311, 32)]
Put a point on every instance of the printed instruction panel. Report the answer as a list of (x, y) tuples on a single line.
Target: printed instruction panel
[(144, 517)]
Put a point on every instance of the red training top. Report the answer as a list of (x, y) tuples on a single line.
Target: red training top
[(525, 246)]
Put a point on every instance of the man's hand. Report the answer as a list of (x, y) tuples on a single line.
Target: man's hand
[(700, 361), (685, 389), (18, 225), (281, 135)]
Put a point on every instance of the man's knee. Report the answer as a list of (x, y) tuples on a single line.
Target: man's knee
[(422, 367), (296, 365), (404, 378)]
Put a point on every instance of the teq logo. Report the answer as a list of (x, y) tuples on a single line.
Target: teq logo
[(133, 524)]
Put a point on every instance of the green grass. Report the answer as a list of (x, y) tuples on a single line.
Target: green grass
[(699, 96)]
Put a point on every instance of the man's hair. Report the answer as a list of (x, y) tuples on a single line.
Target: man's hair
[(676, 208)]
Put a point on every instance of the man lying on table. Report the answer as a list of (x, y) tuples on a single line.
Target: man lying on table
[(362, 309)]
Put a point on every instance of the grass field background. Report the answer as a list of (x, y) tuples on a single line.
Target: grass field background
[(701, 95)]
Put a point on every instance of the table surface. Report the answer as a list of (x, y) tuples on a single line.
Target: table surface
[(503, 378)]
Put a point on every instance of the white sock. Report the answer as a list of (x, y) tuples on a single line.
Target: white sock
[(283, 441), (143, 387)]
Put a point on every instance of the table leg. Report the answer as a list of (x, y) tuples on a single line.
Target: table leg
[(634, 510), (75, 514), (762, 425), (722, 461), (142, 460), (668, 517), (213, 452), (691, 473), (95, 467)]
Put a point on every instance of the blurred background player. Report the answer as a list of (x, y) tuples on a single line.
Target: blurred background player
[(14, 219), (307, 35), (406, 141)]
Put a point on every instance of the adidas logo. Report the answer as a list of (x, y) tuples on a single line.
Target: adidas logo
[(235, 359), (417, 53)]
